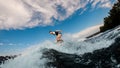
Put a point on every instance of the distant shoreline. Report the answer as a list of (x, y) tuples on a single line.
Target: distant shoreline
[(93, 34)]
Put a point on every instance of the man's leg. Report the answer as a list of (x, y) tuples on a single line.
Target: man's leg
[(59, 38)]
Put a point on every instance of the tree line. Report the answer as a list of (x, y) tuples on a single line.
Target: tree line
[(113, 19)]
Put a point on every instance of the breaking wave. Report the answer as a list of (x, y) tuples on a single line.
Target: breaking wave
[(31, 57)]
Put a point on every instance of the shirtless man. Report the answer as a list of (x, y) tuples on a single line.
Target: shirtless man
[(58, 35)]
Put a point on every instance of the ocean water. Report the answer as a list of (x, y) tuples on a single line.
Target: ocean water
[(31, 57)]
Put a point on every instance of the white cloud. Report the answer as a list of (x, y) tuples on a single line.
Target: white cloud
[(106, 4), (19, 14), (87, 32), (101, 3), (5, 44), (94, 2), (82, 34), (1, 44), (11, 44), (83, 11)]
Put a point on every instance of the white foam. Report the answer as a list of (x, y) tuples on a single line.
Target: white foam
[(31, 57)]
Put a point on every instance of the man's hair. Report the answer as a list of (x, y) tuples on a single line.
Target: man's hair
[(50, 31)]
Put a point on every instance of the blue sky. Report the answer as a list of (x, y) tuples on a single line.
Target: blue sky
[(19, 31)]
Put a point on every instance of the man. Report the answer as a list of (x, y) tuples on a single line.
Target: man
[(58, 35)]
